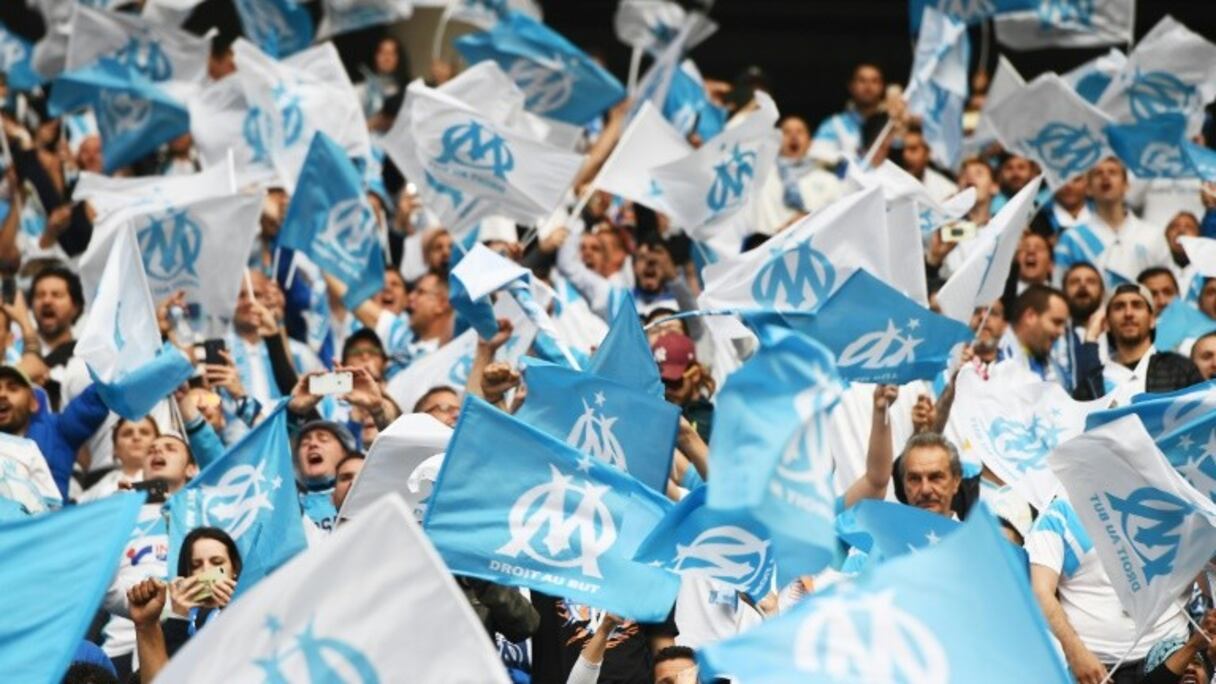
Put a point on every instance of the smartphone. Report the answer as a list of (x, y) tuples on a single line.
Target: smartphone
[(211, 352), (8, 289), (157, 489), (206, 580), (958, 231), (340, 382)]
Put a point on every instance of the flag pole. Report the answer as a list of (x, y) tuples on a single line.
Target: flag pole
[(440, 29), (635, 65)]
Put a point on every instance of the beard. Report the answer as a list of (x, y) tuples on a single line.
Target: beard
[(1080, 311)]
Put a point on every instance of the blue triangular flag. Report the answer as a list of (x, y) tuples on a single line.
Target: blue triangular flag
[(1181, 321), (279, 27), (624, 355), (1152, 148)]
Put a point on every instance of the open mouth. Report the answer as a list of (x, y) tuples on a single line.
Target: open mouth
[(314, 459), (157, 463)]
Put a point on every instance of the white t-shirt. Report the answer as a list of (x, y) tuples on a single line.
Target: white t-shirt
[(707, 611), (1059, 542)]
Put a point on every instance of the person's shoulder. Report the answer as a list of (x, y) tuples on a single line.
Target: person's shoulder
[(1172, 360)]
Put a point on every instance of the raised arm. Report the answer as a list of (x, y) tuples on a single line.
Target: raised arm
[(880, 457)]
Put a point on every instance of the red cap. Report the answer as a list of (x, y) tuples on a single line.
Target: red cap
[(673, 352)]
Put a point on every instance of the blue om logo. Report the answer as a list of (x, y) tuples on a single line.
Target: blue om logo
[(251, 130), (292, 118), (1072, 13), (1026, 443), (1150, 519), (122, 113), (147, 58), (1067, 150), (547, 84), (459, 375), (731, 179), (1092, 85), (1160, 160), (477, 147), (791, 278), (170, 245), (1157, 92), (325, 659), (349, 231), (453, 194)]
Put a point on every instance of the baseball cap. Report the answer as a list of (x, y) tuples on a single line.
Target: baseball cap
[(674, 352), (338, 430), (362, 335), (7, 371), (1134, 288)]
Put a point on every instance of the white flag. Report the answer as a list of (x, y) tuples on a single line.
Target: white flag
[(655, 85), (174, 59), (1202, 253), (1050, 123), (447, 366), (222, 122), (342, 16), (649, 141), (482, 14), (296, 97), (51, 51), (169, 12), (482, 271), (393, 461), (111, 196), (120, 333), (716, 184), (652, 25), (373, 603), (981, 278), (1173, 70), (25, 476), (1005, 82), (1091, 78), (1068, 24), (1152, 530)]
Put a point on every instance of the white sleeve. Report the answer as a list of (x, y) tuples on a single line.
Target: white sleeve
[(594, 287), (1046, 548), (584, 672)]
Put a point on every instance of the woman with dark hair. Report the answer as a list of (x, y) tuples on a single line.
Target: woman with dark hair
[(386, 77), (208, 567)]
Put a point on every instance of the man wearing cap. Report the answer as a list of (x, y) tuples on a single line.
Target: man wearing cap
[(24, 412), (320, 446), (1135, 365), (684, 380)]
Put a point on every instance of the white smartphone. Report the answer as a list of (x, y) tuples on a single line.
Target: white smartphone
[(340, 382), (959, 231)]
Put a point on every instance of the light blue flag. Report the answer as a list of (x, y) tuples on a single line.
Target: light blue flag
[(879, 335), (279, 27), (937, 87), (15, 54), (133, 395), (768, 452), (1191, 449), (1152, 148), (475, 274), (543, 516), (1181, 321), (624, 355), (887, 530), (1202, 160), (729, 547), (1163, 412), (688, 108), (967, 11), (632, 430), (559, 80), (249, 493), (331, 221), (133, 114), (912, 620), (56, 569)]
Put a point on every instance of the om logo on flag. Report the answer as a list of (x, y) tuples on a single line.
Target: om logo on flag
[(732, 176), (1067, 150), (477, 147), (791, 278), (148, 58), (170, 245)]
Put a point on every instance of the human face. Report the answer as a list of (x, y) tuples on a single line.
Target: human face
[(591, 251), (676, 671), (386, 57), (916, 154), (1015, 173), (428, 301), (795, 138), (928, 482), (244, 318), (221, 66), (1071, 195), (394, 295), (168, 459), (347, 473), (1034, 259), (210, 554), (318, 454), (1163, 288), (866, 87), (1129, 319), (1083, 289), (1108, 182), (364, 354), (16, 404), (614, 251), (1207, 298), (650, 267), (438, 253), (1195, 672), (54, 309), (131, 441), (1038, 331), (990, 335), (443, 406), (1183, 224), (977, 175), (1204, 356), (88, 157)]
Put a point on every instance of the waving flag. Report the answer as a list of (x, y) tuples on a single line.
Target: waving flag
[(1202, 252), (886, 530), (624, 355), (879, 335), (1006, 81), (1152, 148), (1179, 322), (114, 197), (656, 84), (937, 87), (768, 452), (50, 52), (221, 122), (652, 25), (169, 12), (981, 278), (330, 220), (293, 99), (716, 182), (1191, 450), (133, 115), (393, 464), (15, 54), (294, 626), (1162, 413), (278, 27), (1091, 78), (474, 164), (484, 14), (1049, 122), (478, 274), (1068, 24), (966, 12), (1152, 530), (620, 425), (904, 622), (648, 142), (729, 547), (77, 546), (546, 517), (1202, 159), (558, 79), (173, 58), (688, 106), (343, 16), (448, 366), (250, 493), (1171, 71), (121, 341)]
